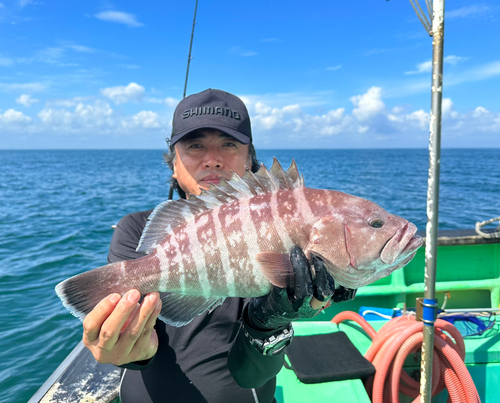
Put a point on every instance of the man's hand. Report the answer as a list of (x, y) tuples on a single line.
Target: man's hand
[(119, 330), (305, 300)]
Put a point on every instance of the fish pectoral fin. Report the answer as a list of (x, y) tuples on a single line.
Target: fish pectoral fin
[(178, 310), (276, 268)]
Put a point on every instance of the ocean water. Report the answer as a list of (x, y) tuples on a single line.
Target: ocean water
[(57, 209)]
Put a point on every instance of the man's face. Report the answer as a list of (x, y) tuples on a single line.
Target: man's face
[(204, 156)]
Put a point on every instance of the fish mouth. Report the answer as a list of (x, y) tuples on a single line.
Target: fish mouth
[(415, 242), (402, 244)]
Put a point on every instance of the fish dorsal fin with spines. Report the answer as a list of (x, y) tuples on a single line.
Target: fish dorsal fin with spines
[(170, 214)]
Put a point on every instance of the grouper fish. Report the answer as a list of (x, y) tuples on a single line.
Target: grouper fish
[(234, 240)]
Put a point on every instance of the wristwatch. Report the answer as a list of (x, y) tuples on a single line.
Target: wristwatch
[(273, 344), (342, 294)]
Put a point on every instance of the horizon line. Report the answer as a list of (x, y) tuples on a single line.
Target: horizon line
[(258, 149)]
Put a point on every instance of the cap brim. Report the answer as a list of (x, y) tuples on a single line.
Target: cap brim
[(231, 132)]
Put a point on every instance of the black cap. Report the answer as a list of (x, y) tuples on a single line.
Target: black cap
[(212, 109)]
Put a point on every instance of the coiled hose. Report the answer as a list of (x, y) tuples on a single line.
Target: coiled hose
[(402, 336)]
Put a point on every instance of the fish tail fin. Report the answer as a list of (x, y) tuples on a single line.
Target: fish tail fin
[(81, 293)]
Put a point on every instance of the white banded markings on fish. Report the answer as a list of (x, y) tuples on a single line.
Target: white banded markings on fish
[(295, 214), (281, 228), (263, 221), (252, 241), (196, 275), (165, 267), (303, 206), (172, 280), (239, 259), (207, 236), (224, 254), (189, 281), (318, 203)]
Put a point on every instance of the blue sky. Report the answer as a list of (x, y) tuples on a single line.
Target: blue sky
[(323, 74)]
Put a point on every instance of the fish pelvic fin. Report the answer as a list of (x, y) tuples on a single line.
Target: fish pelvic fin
[(178, 310), (170, 214), (276, 268)]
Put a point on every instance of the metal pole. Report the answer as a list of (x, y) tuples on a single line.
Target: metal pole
[(430, 302), (190, 47)]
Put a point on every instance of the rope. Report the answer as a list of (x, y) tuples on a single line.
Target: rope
[(495, 234)]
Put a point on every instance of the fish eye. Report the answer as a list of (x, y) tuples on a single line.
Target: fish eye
[(376, 223)]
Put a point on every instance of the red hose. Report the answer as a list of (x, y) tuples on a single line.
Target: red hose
[(403, 336)]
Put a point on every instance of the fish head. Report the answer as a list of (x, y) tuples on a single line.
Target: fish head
[(360, 242)]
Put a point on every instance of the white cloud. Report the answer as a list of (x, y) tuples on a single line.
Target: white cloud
[(333, 68), (480, 111), (302, 122), (474, 10), (291, 122), (96, 117), (426, 67), (121, 94), (129, 66), (452, 59), (54, 55), (145, 119), (26, 100), (81, 49), (369, 125), (452, 77), (67, 103), (169, 101), (419, 118), (13, 117), (119, 17), (50, 55), (282, 99), (6, 61), (482, 72), (172, 102), (22, 87), (369, 104), (242, 52), (447, 108)]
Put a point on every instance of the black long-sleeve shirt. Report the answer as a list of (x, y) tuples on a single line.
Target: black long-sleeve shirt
[(208, 360)]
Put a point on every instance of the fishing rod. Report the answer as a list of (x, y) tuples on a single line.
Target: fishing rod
[(171, 190), (190, 47), (435, 9)]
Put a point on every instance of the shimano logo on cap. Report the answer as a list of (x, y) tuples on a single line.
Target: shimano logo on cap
[(211, 110)]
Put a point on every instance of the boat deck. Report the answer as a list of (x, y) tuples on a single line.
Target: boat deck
[(482, 360)]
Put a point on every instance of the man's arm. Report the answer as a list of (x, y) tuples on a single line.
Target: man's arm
[(249, 367), (119, 330), (268, 315)]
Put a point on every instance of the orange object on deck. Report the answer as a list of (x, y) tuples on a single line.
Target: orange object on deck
[(402, 336)]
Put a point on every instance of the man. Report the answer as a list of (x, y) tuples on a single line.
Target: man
[(234, 353)]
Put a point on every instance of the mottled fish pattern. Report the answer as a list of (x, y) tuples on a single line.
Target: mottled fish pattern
[(234, 239)]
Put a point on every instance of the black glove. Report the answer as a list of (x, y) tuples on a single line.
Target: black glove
[(284, 305)]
